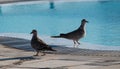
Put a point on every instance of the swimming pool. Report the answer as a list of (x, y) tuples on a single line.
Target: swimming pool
[(103, 27)]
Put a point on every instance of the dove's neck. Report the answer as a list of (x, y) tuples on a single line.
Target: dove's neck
[(82, 26), (34, 36)]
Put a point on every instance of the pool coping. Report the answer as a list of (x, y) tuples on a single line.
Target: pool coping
[(62, 42)]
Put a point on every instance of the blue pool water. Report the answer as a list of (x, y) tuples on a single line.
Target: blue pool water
[(103, 27)]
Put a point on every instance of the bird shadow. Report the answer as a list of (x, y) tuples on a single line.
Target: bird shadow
[(18, 58)]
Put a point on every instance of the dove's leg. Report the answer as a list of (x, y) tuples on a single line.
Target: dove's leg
[(78, 42), (74, 43), (36, 53), (43, 53)]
